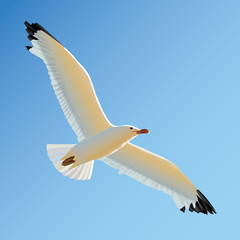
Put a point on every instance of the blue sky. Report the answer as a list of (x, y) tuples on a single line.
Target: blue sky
[(169, 66)]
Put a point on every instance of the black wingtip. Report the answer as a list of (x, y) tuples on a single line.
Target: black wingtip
[(203, 202), (31, 37), (202, 205), (33, 28), (182, 209), (28, 47)]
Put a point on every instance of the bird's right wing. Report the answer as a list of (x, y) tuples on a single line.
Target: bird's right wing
[(71, 83), (161, 174)]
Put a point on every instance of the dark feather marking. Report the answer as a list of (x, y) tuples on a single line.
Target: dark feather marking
[(31, 37), (28, 47), (191, 207), (202, 205), (183, 209), (29, 31), (68, 161), (34, 27), (206, 203)]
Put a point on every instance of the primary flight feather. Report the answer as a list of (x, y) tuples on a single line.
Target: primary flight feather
[(98, 138)]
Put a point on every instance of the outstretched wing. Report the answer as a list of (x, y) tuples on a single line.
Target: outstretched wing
[(161, 174), (71, 83)]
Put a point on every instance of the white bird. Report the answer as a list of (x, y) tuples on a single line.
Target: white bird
[(98, 138)]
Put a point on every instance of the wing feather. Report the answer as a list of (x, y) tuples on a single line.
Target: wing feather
[(156, 172), (71, 83)]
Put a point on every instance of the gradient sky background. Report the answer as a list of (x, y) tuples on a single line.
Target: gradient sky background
[(169, 66)]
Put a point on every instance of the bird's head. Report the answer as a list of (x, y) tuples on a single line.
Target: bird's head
[(131, 132)]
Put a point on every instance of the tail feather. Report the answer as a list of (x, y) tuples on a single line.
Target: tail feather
[(56, 153)]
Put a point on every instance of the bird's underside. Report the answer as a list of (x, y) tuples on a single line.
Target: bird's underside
[(76, 95)]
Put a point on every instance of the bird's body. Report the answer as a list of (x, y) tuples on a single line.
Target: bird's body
[(101, 145), (98, 138)]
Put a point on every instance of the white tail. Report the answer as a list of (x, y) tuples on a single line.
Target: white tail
[(57, 151)]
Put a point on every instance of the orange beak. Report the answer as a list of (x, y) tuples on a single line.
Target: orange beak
[(142, 131)]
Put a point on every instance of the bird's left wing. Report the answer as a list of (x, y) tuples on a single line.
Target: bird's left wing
[(161, 174), (71, 83)]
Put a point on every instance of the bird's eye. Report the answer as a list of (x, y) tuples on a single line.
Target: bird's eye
[(131, 128)]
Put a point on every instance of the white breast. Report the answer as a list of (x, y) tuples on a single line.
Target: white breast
[(99, 145)]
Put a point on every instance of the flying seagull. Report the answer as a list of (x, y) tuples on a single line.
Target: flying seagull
[(97, 137)]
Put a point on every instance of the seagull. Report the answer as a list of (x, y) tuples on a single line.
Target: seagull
[(98, 139)]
